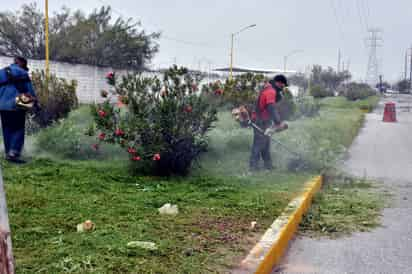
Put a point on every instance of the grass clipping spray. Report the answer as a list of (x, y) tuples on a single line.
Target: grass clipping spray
[(298, 161)]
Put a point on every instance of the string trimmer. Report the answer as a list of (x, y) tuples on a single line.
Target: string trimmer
[(242, 115)]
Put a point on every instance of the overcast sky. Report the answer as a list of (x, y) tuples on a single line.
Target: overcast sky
[(318, 27)]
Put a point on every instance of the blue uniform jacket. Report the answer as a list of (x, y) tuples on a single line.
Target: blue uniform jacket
[(9, 90)]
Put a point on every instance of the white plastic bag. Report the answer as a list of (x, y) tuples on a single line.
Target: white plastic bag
[(169, 209)]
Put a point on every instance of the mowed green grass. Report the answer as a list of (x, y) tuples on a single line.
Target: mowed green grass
[(48, 198), (211, 233)]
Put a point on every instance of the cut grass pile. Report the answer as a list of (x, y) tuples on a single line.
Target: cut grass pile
[(48, 198), (345, 205)]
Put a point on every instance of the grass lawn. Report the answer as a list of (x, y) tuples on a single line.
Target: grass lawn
[(50, 196)]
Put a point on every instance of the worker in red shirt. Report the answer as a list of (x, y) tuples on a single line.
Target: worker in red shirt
[(267, 119)]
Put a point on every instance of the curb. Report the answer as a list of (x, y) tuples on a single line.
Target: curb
[(273, 244)]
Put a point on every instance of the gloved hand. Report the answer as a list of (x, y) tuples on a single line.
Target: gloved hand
[(276, 128), (270, 131)]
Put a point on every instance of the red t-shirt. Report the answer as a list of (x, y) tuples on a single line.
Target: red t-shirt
[(267, 96)]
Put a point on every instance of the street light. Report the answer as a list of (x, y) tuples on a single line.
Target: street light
[(231, 48), (285, 58)]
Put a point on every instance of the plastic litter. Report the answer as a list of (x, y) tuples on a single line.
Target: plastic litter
[(253, 225), (169, 209), (86, 226), (143, 245)]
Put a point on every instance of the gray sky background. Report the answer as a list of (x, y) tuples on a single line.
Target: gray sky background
[(282, 27)]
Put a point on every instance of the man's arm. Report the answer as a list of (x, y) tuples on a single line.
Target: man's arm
[(274, 115)]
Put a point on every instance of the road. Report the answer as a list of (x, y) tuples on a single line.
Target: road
[(381, 151)]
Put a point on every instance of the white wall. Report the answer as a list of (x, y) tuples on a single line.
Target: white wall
[(90, 80)]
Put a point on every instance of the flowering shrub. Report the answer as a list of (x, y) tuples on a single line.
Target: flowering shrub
[(213, 93), (56, 97), (242, 90), (161, 123)]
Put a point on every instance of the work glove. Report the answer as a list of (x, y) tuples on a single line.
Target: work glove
[(276, 128)]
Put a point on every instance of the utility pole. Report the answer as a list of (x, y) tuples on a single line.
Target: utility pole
[(309, 69), (339, 60), (232, 46), (410, 73), (231, 57), (380, 84), (374, 41), (46, 32), (405, 77), (209, 71), (348, 65)]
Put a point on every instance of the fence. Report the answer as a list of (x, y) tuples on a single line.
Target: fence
[(90, 79)]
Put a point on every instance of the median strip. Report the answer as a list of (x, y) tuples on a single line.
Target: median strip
[(271, 247)]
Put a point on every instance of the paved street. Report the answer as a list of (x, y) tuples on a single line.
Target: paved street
[(382, 151)]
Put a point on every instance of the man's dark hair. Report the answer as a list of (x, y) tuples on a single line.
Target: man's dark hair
[(280, 78), (21, 61)]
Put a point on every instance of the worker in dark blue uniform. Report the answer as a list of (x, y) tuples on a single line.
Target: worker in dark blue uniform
[(14, 82)]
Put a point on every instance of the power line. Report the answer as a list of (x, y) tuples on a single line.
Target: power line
[(185, 42), (165, 37), (362, 20), (338, 23), (366, 11)]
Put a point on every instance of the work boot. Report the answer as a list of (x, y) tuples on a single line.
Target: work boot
[(14, 158)]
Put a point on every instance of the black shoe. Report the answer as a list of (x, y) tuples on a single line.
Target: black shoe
[(15, 160)]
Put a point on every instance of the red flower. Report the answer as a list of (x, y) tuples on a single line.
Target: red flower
[(188, 109), (110, 75), (156, 157), (194, 87), (136, 158), (101, 113), (102, 136), (95, 147), (119, 132), (131, 150), (219, 91)]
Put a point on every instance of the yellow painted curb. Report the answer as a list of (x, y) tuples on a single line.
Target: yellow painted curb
[(271, 247)]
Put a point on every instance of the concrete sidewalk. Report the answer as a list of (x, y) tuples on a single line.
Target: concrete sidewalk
[(381, 151)]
